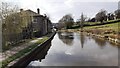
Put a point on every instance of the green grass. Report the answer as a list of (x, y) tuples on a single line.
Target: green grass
[(112, 20), (92, 23), (22, 52), (113, 26)]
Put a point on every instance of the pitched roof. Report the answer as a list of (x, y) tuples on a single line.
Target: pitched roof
[(30, 12)]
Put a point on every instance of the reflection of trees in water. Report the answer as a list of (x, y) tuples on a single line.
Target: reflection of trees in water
[(82, 39), (100, 42), (66, 37)]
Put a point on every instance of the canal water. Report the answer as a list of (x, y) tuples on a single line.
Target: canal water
[(78, 49)]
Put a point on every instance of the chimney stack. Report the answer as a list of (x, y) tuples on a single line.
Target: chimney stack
[(38, 10)]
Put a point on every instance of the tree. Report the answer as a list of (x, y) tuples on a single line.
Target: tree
[(82, 20), (110, 16), (67, 20), (6, 9), (61, 24), (101, 16), (117, 14), (92, 20), (8, 13), (10, 23), (78, 22)]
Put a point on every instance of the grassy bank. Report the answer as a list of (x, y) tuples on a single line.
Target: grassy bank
[(22, 52), (110, 30), (113, 26)]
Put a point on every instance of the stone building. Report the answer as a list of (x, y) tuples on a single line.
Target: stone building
[(23, 25), (40, 24)]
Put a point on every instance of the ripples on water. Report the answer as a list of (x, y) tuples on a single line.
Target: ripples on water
[(74, 49)]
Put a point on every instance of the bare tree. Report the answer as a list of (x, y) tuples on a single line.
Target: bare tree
[(10, 22), (61, 24), (110, 16), (7, 9), (82, 20), (101, 16), (67, 20), (117, 14)]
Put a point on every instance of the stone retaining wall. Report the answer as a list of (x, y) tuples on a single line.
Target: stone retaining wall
[(113, 40)]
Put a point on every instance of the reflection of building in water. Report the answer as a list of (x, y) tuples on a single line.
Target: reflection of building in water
[(66, 37), (82, 39)]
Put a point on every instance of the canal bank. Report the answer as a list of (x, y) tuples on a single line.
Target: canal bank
[(111, 38), (115, 41), (30, 54)]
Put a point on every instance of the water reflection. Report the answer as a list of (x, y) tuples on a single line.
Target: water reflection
[(82, 39), (91, 55), (100, 42), (66, 37)]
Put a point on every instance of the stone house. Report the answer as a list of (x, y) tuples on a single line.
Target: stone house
[(39, 24), (23, 25)]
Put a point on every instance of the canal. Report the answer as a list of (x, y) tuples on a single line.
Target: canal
[(78, 49)]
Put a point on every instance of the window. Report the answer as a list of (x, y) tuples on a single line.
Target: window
[(35, 21)]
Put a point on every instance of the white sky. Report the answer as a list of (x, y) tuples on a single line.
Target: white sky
[(55, 9)]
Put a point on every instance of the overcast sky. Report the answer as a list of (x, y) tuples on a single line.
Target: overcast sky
[(55, 9)]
